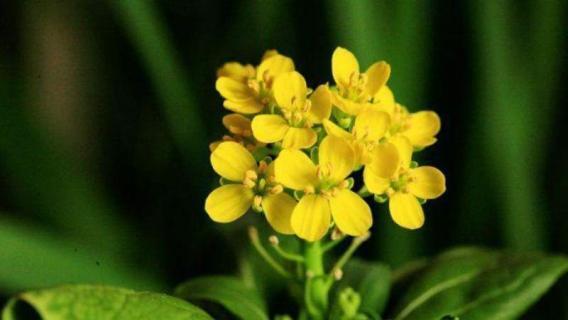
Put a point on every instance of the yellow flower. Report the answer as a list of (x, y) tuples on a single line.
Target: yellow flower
[(326, 192), (299, 113), (420, 127), (251, 185), (355, 90), (240, 131), (370, 126), (390, 173), (248, 90)]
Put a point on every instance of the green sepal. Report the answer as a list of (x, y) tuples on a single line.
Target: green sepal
[(261, 153), (298, 194), (380, 198), (314, 154), (421, 201), (413, 164), (223, 181), (350, 182)]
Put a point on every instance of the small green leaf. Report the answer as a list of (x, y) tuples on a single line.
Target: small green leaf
[(480, 284), (230, 292), (89, 302), (371, 281)]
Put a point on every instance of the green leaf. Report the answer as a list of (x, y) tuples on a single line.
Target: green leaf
[(100, 302), (230, 292), (480, 284), (371, 281)]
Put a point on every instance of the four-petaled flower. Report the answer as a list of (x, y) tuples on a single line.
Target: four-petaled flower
[(250, 185), (326, 192), (298, 113)]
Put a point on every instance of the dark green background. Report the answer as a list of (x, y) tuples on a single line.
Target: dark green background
[(107, 109)]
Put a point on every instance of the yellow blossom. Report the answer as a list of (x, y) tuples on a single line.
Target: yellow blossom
[(251, 185), (326, 192), (390, 174), (370, 126), (355, 90), (248, 90), (420, 127), (298, 113), (240, 131)]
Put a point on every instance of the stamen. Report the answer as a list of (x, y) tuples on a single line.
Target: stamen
[(251, 174), (276, 189)]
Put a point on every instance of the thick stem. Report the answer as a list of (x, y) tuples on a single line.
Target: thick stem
[(317, 284)]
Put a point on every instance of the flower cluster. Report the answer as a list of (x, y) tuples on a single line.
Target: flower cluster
[(292, 153)]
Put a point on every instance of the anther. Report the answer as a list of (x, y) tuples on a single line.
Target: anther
[(257, 201), (309, 190), (273, 239), (251, 174), (337, 274), (276, 189)]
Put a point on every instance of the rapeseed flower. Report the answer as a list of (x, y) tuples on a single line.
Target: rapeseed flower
[(297, 113), (390, 174), (250, 185), (326, 190), (247, 89)]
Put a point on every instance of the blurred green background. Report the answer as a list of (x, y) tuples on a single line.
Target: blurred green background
[(107, 109)]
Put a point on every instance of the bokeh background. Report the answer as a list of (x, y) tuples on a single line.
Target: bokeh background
[(107, 109)]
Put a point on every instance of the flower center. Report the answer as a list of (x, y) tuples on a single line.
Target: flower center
[(261, 184), (355, 91)]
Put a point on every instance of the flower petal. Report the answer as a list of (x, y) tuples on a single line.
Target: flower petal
[(321, 104), (249, 106), (228, 203), (377, 76), (231, 161), (273, 66), (290, 90), (299, 138), (335, 130), (232, 89), (311, 217), (237, 124), (351, 213), (405, 210), (426, 182), (384, 99), (337, 155), (236, 71), (343, 65), (269, 128), (278, 210), (375, 183), (423, 126), (371, 125), (404, 148), (345, 105), (295, 170), (385, 160)]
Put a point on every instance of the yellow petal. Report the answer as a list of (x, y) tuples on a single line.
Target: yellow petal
[(236, 71), (345, 105), (237, 124), (269, 53), (384, 99), (278, 210), (343, 65), (229, 202), (375, 183), (426, 182), (290, 90), (371, 125), (337, 155), (335, 130), (311, 217), (295, 170), (249, 106), (299, 138), (321, 104), (406, 211), (272, 67), (377, 76), (232, 89), (422, 127), (269, 128), (351, 213), (231, 161), (385, 160), (404, 150)]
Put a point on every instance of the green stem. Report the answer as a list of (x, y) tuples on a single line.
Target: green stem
[(317, 286), (349, 252), (254, 239)]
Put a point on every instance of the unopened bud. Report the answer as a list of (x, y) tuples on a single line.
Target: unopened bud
[(337, 274)]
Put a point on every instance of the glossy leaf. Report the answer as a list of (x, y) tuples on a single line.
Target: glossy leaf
[(229, 292), (480, 284), (89, 302)]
